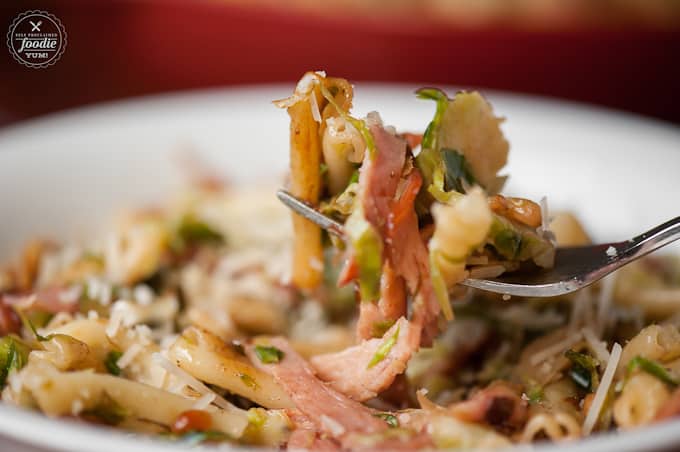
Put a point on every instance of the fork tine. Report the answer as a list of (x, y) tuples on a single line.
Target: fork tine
[(310, 213)]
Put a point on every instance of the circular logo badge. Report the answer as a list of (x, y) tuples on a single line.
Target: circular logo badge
[(36, 39)]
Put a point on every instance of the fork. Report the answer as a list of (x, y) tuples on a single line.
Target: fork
[(575, 267)]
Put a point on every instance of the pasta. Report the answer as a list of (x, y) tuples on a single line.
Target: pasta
[(211, 319)]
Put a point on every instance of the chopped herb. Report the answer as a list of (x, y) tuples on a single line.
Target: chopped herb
[(535, 394), (653, 368), (380, 328), (13, 355), (268, 354), (391, 419), (583, 370), (457, 171), (505, 238), (354, 177), (384, 349), (39, 318), (193, 230), (107, 411), (111, 362), (367, 246), (323, 168), (439, 96), (248, 381), (29, 326)]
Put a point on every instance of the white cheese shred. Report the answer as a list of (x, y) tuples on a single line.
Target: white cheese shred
[(552, 350), (192, 382), (602, 390), (114, 323), (129, 355), (597, 346), (604, 303), (316, 113), (203, 402)]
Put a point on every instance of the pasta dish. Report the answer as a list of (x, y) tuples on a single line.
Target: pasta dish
[(214, 318)]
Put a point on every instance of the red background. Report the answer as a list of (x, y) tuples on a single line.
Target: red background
[(128, 48)]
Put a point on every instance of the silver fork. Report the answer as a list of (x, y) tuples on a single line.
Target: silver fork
[(575, 267)]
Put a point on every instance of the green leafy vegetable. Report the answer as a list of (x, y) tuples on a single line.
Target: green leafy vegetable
[(535, 393), (107, 411), (268, 354), (111, 362), (248, 380), (391, 419), (439, 96), (429, 160), (384, 349), (653, 368), (13, 356), (583, 370), (29, 326), (457, 171), (193, 230), (367, 246), (354, 178), (381, 327), (517, 243)]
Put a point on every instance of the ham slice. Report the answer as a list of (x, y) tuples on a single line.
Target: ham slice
[(326, 419), (671, 408), (408, 253), (331, 412), (380, 174), (499, 405), (349, 371), (50, 299), (391, 306)]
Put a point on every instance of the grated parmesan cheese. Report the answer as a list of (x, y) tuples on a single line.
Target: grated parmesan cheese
[(143, 294), (129, 355), (77, 407), (604, 303), (602, 390), (70, 296), (559, 347), (597, 346), (192, 382), (316, 114), (204, 401)]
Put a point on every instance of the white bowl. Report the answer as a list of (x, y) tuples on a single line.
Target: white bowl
[(65, 175)]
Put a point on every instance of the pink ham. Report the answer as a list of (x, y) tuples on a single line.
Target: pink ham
[(499, 405), (391, 306), (324, 406), (348, 371), (334, 418), (380, 174), (409, 254), (49, 299)]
